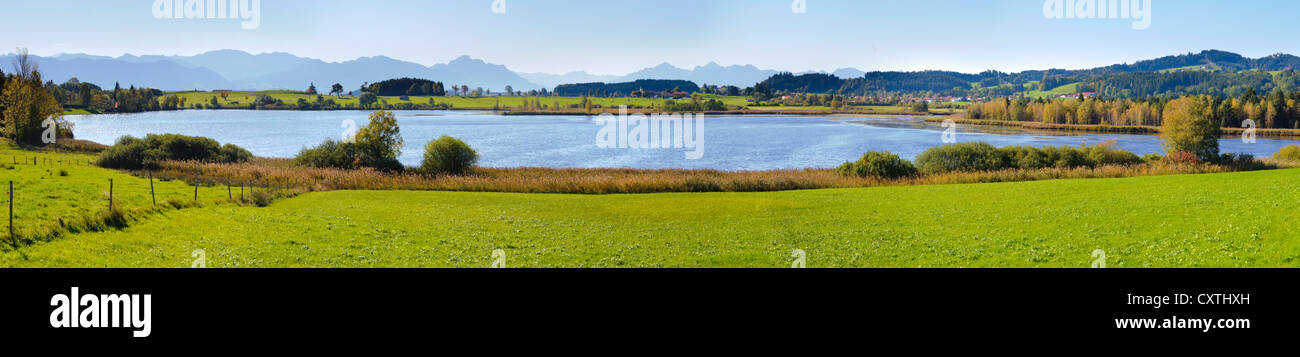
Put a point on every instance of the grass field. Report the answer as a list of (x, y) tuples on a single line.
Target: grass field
[(1212, 220), (1054, 92), (64, 187), (291, 97)]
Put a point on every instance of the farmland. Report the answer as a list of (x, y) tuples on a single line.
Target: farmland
[(1157, 221)]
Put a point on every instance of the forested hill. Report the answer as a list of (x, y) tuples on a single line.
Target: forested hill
[(1207, 72)]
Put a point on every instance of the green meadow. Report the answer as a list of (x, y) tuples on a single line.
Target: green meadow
[(63, 188), (483, 103), (1212, 220)]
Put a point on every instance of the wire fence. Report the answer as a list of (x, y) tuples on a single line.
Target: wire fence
[(112, 203)]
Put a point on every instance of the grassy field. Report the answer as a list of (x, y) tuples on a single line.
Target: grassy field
[(1212, 220), (1054, 92), (291, 97), (64, 187)]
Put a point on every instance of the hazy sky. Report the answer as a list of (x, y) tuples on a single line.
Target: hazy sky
[(617, 37)]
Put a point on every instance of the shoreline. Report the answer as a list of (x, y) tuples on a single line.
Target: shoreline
[(1289, 134), (508, 112)]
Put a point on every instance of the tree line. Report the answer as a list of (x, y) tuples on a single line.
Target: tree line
[(1276, 110)]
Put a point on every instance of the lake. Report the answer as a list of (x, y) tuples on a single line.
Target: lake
[(759, 142)]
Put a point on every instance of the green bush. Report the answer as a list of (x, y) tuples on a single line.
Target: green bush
[(448, 155), (132, 153), (1106, 154), (878, 164), (1289, 153), (962, 157), (984, 157), (376, 145)]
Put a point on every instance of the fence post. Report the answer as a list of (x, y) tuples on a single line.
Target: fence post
[(229, 196), (151, 195), (110, 195), (196, 193), (12, 237)]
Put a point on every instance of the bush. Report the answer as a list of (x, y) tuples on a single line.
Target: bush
[(984, 157), (131, 153), (1289, 153), (376, 145), (962, 157), (1106, 154), (448, 155), (878, 164)]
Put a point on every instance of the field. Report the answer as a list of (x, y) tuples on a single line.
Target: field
[(1210, 220), (1054, 92), (66, 188), (291, 97)]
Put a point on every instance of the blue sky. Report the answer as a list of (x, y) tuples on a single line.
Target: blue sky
[(616, 37)]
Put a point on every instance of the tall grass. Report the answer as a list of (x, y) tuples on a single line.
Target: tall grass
[(275, 174)]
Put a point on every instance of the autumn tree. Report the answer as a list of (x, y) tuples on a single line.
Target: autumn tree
[(1189, 127), (27, 104)]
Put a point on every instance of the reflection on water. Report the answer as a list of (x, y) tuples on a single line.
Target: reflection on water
[(758, 142)]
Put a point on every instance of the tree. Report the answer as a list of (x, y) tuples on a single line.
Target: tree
[(311, 89), (1189, 127), (367, 99), (27, 105), (379, 142), (510, 90), (337, 89)]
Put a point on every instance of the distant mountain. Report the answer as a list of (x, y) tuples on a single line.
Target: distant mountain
[(104, 71), (477, 73), (711, 74), (553, 80), (230, 69), (848, 73)]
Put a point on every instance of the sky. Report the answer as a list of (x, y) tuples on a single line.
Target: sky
[(618, 36)]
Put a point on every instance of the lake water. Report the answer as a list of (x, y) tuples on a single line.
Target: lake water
[(758, 142)]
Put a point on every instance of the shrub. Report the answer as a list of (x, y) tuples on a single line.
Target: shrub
[(1106, 154), (962, 157), (1288, 153), (1028, 157), (878, 164), (131, 153), (376, 145), (332, 154), (448, 155)]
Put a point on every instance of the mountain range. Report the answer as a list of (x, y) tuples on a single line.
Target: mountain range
[(238, 70)]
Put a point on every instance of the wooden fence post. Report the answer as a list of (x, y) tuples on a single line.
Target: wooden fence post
[(229, 196), (12, 237), (110, 195), (196, 193), (151, 195)]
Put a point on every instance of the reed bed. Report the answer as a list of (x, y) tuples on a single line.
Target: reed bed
[(280, 175), (1104, 129)]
